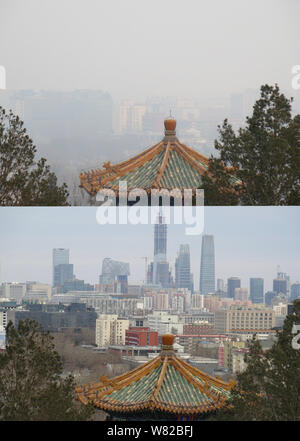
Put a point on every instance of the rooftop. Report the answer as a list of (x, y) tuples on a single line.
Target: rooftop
[(166, 383), (168, 165)]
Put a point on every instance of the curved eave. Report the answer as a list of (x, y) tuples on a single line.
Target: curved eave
[(174, 166), (196, 392)]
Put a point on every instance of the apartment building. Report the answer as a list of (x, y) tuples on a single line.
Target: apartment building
[(111, 330)]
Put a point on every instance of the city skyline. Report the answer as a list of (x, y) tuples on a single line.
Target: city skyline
[(242, 250)]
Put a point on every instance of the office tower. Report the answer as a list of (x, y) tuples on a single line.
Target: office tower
[(220, 285), (115, 273), (150, 274), (160, 264), (122, 284), (280, 286), (63, 273), (183, 268), (256, 290), (295, 291), (269, 296), (160, 237), (207, 268), (285, 276), (59, 256), (232, 283)]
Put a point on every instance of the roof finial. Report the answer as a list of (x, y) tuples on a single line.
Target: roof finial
[(171, 114)]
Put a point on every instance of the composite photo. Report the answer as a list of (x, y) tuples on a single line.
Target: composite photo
[(150, 215)]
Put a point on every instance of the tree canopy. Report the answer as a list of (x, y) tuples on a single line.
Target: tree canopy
[(23, 180), (269, 388), (32, 387), (264, 156)]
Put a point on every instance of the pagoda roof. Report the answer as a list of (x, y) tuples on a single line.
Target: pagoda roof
[(169, 165), (166, 383)]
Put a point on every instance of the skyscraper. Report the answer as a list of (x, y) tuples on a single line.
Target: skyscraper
[(256, 290), (160, 264), (115, 272), (207, 267), (183, 268), (280, 286), (232, 283), (63, 273), (60, 256), (295, 291)]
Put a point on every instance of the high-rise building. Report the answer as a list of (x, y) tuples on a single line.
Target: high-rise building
[(115, 274), (232, 283), (220, 285), (207, 268), (60, 256), (280, 286), (256, 290), (63, 273), (269, 297), (295, 291), (110, 330), (183, 268), (160, 263), (285, 276)]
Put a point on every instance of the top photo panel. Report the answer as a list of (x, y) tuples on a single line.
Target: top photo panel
[(138, 103)]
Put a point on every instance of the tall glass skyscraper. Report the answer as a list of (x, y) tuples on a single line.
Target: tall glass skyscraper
[(60, 256), (232, 283), (183, 268), (207, 267), (256, 290), (160, 264)]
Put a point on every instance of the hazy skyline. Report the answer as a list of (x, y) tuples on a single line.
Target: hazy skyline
[(138, 48), (249, 242)]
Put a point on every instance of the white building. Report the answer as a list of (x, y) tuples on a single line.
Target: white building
[(38, 291), (110, 330), (165, 323), (244, 318), (13, 291), (197, 301)]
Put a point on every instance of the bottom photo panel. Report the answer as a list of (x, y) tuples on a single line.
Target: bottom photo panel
[(143, 319)]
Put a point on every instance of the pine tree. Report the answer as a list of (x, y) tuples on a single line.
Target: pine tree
[(23, 180), (31, 384), (264, 157), (269, 388)]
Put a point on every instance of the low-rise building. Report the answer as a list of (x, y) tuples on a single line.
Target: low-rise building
[(165, 323), (141, 336), (244, 318)]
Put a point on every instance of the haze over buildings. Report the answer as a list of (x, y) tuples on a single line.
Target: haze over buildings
[(103, 102)]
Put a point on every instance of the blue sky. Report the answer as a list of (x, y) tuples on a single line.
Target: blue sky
[(249, 242)]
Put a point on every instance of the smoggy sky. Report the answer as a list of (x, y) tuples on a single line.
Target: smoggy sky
[(249, 242), (140, 48)]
